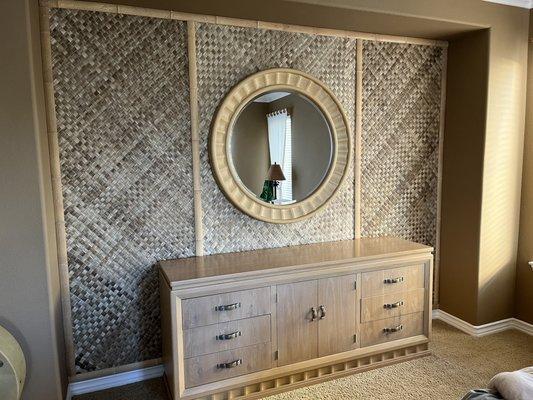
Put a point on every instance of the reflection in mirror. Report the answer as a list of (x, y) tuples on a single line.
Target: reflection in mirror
[(281, 147)]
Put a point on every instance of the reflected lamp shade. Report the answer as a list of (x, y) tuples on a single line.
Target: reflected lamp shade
[(275, 173)]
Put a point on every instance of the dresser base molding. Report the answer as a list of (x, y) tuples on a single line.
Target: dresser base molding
[(282, 379)]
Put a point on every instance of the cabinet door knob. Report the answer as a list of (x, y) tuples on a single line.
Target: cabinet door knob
[(393, 280), (231, 364), (229, 336), (322, 312), (314, 314), (388, 306), (392, 330), (228, 307)]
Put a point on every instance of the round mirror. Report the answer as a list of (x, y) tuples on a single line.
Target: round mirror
[(281, 147)]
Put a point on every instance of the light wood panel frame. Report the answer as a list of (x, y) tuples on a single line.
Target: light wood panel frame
[(357, 137), (444, 70), (279, 79), (46, 5), (57, 188), (195, 139)]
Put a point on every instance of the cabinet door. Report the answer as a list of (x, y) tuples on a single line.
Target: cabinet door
[(337, 314), (297, 332)]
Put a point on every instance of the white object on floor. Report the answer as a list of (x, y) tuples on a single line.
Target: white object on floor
[(12, 367), (517, 385)]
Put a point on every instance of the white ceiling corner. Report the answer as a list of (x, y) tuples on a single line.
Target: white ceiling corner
[(515, 3)]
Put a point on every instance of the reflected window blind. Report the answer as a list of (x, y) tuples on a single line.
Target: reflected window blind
[(286, 185)]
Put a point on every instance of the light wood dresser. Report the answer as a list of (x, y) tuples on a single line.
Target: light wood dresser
[(257, 323)]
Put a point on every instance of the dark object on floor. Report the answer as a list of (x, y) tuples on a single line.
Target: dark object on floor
[(481, 394)]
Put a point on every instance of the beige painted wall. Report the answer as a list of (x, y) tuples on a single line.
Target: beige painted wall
[(29, 293), (462, 174), (524, 273)]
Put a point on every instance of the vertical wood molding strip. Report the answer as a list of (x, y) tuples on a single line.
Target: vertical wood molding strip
[(57, 192), (439, 175), (195, 137), (358, 128)]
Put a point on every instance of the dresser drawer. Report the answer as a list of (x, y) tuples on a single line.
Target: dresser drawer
[(227, 364), (225, 307), (392, 280), (392, 305), (386, 330), (226, 336)]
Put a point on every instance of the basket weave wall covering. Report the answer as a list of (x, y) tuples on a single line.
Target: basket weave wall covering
[(225, 56), (122, 103), (400, 140)]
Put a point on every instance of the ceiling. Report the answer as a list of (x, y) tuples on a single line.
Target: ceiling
[(515, 3)]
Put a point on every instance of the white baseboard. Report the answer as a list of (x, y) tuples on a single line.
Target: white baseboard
[(485, 329), (110, 381)]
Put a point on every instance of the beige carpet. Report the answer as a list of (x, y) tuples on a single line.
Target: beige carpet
[(459, 362)]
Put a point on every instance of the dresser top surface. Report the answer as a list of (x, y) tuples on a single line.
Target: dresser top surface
[(257, 261)]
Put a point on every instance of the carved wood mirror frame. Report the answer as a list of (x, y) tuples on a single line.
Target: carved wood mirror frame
[(219, 144)]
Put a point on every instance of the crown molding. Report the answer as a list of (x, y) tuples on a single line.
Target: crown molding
[(515, 3)]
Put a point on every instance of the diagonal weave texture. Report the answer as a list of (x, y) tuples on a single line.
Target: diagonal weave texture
[(400, 139), (225, 56), (122, 101)]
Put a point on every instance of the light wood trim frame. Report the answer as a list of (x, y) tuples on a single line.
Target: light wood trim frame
[(195, 139), (220, 144), (444, 69), (357, 138), (247, 23), (57, 188)]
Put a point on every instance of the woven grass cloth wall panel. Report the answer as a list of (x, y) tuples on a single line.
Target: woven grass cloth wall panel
[(400, 140), (225, 56), (122, 101)]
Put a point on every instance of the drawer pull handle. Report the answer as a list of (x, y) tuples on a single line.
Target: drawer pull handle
[(229, 336), (228, 307), (388, 306), (232, 364), (393, 280), (393, 330), (314, 314), (322, 312)]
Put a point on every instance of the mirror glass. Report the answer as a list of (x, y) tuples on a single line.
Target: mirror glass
[(281, 147)]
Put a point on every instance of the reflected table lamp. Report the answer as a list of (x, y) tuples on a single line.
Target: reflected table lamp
[(275, 174)]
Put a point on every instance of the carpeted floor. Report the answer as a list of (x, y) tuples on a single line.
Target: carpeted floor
[(459, 362)]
